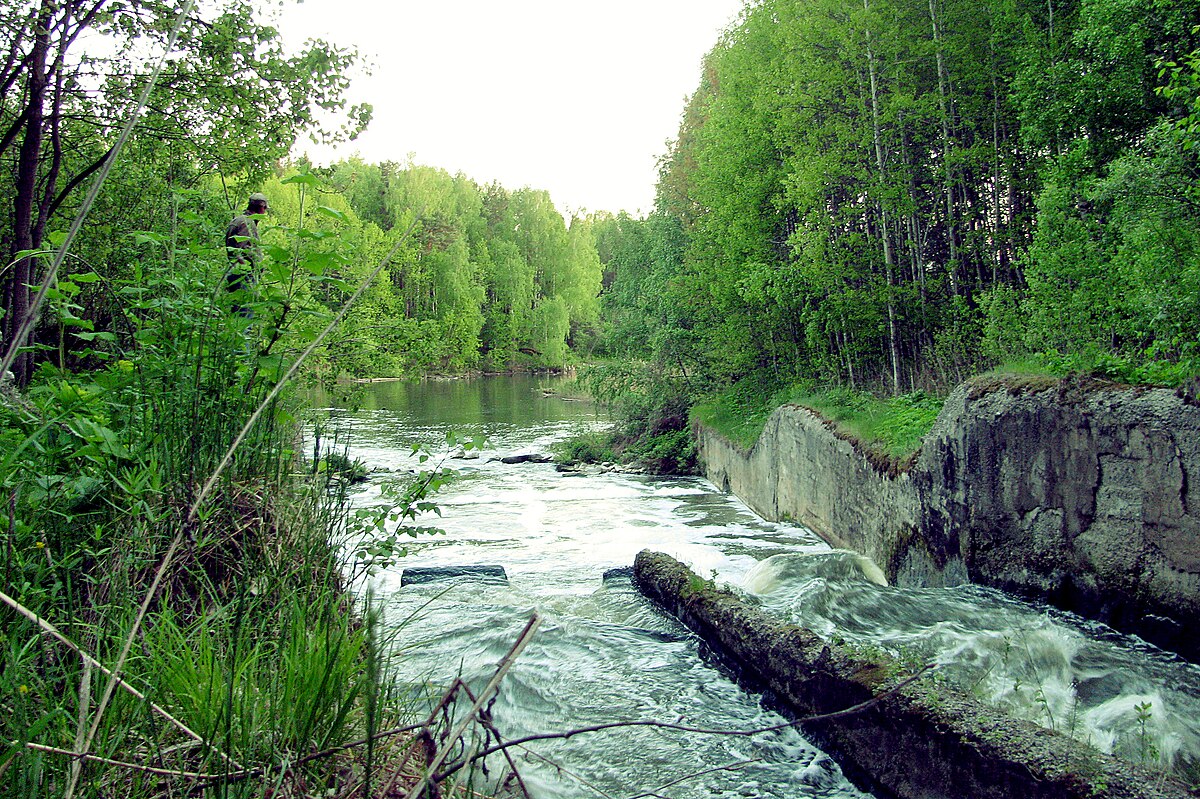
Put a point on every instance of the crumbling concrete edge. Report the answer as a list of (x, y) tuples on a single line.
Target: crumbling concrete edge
[(924, 740)]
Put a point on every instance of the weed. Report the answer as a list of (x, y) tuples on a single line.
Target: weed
[(1147, 748)]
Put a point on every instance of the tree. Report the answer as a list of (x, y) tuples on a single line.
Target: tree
[(230, 102)]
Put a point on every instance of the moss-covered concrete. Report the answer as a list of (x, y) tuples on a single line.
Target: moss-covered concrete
[(924, 741), (1080, 493)]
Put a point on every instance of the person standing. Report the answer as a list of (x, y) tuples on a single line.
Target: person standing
[(241, 245)]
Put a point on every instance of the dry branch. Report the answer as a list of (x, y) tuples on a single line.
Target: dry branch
[(662, 725)]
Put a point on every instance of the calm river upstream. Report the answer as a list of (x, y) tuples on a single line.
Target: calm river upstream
[(605, 654)]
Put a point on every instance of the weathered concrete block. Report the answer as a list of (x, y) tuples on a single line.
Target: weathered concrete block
[(428, 574), (1084, 495), (925, 740)]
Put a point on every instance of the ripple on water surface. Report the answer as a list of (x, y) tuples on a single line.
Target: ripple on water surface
[(605, 654)]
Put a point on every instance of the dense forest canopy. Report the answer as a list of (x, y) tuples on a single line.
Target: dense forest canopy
[(886, 194), (892, 194)]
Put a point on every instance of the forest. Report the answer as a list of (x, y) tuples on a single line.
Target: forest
[(878, 196), (895, 195)]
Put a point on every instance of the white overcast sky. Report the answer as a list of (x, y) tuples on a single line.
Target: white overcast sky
[(578, 97)]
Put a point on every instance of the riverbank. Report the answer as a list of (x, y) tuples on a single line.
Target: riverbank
[(1079, 493), (175, 614)]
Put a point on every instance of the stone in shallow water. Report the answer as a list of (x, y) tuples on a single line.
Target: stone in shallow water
[(618, 574), (428, 574), (532, 457)]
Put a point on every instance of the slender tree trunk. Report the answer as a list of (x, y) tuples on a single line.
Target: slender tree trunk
[(17, 295), (889, 255), (952, 234)]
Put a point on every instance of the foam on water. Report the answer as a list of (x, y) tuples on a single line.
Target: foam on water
[(605, 653), (1113, 691)]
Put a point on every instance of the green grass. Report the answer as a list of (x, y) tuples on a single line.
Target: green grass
[(893, 427), (1134, 370)]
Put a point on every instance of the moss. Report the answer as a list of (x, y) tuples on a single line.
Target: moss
[(924, 739)]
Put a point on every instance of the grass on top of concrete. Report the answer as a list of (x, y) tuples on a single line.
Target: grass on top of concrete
[(893, 427)]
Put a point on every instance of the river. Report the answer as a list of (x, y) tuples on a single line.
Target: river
[(604, 654)]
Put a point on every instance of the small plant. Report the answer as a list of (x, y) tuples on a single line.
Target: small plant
[(697, 585), (1148, 750), (342, 467), (376, 534), (587, 447)]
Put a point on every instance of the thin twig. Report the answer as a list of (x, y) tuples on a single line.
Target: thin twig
[(489, 725), (85, 702), (165, 772), (505, 665), (559, 767), (550, 736), (442, 705)]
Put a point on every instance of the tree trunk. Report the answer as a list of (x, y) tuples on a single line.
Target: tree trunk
[(889, 255), (952, 235), (17, 294)]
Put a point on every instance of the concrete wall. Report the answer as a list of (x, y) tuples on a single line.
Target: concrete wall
[(1086, 496), (909, 738)]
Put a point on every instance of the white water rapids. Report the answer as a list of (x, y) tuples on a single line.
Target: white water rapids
[(604, 653)]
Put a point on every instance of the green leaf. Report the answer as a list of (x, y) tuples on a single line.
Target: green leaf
[(276, 252), (332, 213), (303, 179)]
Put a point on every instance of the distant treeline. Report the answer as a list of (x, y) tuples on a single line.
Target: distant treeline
[(485, 277), (892, 194)]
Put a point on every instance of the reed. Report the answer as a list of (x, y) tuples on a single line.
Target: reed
[(173, 611)]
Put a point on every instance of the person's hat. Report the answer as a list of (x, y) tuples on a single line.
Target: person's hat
[(258, 197)]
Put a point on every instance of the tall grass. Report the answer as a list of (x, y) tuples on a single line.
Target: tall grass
[(251, 658)]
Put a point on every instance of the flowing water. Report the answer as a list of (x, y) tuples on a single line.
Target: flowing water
[(604, 654)]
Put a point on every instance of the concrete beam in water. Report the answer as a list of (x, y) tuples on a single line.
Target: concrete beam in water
[(924, 741), (428, 574)]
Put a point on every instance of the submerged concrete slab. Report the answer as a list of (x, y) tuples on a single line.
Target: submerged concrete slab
[(923, 741), (428, 574)]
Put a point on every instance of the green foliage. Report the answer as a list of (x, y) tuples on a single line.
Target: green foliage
[(894, 195), (894, 427), (665, 452), (740, 411), (250, 641), (1183, 89), (490, 279), (375, 534), (653, 430), (587, 447)]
